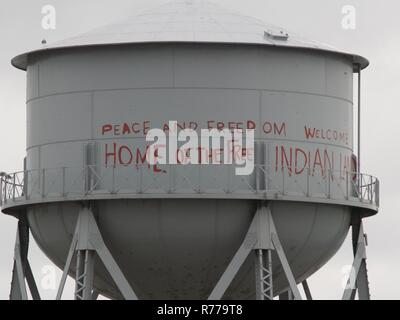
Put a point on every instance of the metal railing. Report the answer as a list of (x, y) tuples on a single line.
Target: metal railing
[(187, 181)]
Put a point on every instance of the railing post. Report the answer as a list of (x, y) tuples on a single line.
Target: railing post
[(43, 183), (25, 184), (14, 187), (370, 188), (267, 177), (172, 178), (63, 182), (199, 180), (5, 190), (89, 179), (377, 187), (1, 191), (329, 184), (229, 188), (113, 180), (84, 180), (258, 173), (140, 178)]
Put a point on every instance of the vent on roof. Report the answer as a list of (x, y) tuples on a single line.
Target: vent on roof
[(275, 35)]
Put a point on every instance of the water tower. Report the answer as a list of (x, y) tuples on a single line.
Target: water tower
[(125, 229)]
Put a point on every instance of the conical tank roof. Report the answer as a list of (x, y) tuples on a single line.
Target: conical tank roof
[(189, 21)]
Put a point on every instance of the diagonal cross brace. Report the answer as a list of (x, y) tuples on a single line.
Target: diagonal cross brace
[(87, 237), (22, 270), (307, 290), (262, 235), (358, 276)]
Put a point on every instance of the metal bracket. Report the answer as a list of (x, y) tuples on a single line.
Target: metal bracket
[(87, 242), (22, 270), (261, 238)]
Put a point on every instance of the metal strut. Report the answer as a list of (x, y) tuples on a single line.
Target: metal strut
[(262, 239), (307, 290), (289, 296), (358, 278), (22, 270), (87, 242), (264, 284)]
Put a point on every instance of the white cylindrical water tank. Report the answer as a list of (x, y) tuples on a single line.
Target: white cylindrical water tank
[(173, 230)]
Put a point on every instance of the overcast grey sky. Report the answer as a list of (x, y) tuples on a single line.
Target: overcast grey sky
[(377, 36)]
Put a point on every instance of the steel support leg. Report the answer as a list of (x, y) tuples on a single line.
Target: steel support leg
[(287, 295), (358, 279), (22, 270), (262, 238), (95, 294), (359, 238), (86, 243), (84, 275)]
